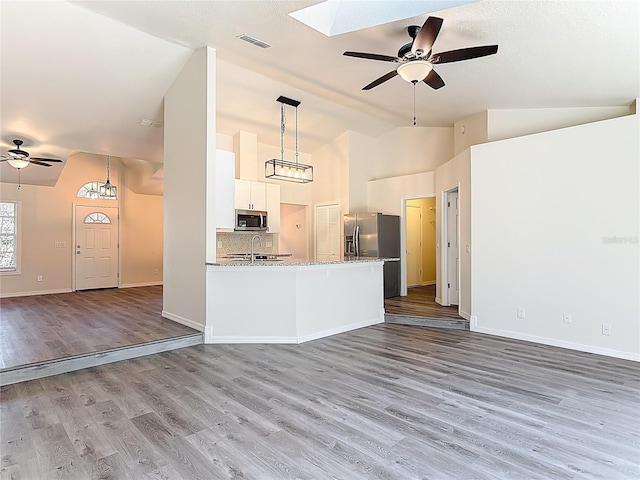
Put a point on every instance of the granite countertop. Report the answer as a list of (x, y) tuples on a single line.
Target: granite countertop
[(234, 262)]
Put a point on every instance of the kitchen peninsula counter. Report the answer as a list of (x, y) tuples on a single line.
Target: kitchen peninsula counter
[(234, 262), (292, 301)]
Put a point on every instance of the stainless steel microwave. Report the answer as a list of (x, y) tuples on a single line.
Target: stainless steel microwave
[(251, 220)]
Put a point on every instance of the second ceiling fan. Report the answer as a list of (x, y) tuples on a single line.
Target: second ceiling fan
[(416, 59)]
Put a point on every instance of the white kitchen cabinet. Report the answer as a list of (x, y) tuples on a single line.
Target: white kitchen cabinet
[(225, 191), (273, 207), (250, 195)]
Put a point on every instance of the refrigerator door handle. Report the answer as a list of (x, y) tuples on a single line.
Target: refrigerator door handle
[(356, 240)]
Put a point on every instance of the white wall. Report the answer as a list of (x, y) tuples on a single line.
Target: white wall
[(189, 114), (47, 217), (471, 130), (555, 225), (503, 124), (456, 173), (408, 150), (386, 195), (499, 124), (363, 151), (331, 183)]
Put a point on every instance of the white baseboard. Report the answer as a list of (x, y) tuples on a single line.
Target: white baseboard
[(183, 321), (463, 314), (558, 343), (248, 339), (341, 329), (35, 292), (141, 284), (425, 284), (209, 337), (438, 300)]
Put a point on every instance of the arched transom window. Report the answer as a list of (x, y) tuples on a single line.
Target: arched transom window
[(91, 190), (97, 217)]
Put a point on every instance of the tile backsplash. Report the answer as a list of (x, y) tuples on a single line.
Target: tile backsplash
[(228, 242)]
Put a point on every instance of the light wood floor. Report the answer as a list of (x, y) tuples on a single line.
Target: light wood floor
[(51, 327), (420, 302), (383, 402)]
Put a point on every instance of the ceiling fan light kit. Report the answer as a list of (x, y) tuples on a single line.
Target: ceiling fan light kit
[(416, 59), (20, 159), (18, 163), (415, 71), (279, 168)]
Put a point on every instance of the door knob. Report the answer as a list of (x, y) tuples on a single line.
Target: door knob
[(78, 253)]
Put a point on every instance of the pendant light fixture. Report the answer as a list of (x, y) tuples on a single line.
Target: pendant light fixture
[(280, 169), (107, 190)]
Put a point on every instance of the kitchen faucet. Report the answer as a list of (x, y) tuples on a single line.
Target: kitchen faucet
[(253, 256)]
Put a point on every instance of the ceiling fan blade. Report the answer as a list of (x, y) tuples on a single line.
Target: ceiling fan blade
[(380, 80), (372, 56), (427, 35), (463, 54), (434, 80), (55, 160), (36, 162)]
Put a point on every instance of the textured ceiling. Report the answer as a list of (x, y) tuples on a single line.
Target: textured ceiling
[(94, 69)]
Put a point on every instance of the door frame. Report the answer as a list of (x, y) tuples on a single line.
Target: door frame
[(421, 233), (403, 239), (74, 240), (444, 298)]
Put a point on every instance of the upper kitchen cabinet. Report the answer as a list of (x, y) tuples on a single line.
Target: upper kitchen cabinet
[(250, 195), (225, 196), (273, 207)]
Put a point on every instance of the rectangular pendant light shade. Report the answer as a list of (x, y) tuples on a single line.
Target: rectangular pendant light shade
[(289, 171), (280, 169)]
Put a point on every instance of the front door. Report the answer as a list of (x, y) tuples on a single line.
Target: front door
[(96, 252)]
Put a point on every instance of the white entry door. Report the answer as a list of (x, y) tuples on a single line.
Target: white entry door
[(414, 245), (96, 252), (453, 248)]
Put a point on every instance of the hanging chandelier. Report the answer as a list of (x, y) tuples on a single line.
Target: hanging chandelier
[(106, 190), (280, 169)]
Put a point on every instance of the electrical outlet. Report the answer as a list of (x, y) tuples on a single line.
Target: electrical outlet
[(39, 278), (520, 312), (606, 329), (219, 243), (566, 317)]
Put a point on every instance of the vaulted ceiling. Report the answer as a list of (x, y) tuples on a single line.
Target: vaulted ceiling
[(79, 76)]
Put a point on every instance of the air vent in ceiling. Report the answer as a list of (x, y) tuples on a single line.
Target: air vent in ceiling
[(254, 41)]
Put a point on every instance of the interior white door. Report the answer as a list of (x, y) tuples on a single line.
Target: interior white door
[(453, 248), (414, 245), (327, 232), (96, 252)]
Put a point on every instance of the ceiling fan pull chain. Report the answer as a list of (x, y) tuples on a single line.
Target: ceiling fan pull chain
[(414, 103), (19, 179)]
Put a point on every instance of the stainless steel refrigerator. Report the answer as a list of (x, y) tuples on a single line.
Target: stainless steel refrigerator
[(375, 235)]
